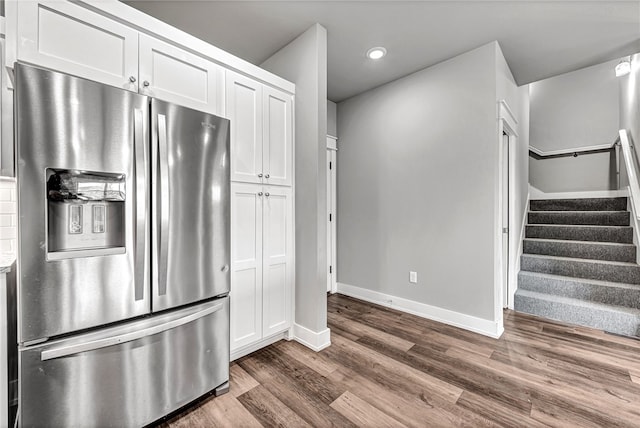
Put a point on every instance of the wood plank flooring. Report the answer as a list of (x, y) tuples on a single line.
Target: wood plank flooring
[(390, 369)]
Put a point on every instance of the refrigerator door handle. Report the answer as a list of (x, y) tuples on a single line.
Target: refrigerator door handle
[(140, 207), (163, 179), (64, 351)]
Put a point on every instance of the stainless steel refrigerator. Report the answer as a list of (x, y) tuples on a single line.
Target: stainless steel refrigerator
[(123, 264)]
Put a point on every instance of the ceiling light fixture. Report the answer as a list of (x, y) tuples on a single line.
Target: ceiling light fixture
[(376, 53), (623, 68)]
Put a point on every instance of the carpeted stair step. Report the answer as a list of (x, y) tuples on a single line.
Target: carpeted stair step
[(587, 204), (581, 249), (620, 234), (604, 218), (615, 319), (582, 268), (610, 293)]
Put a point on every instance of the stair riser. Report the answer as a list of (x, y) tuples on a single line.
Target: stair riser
[(575, 289), (612, 321), (619, 218), (599, 204), (581, 250), (581, 233), (582, 269)]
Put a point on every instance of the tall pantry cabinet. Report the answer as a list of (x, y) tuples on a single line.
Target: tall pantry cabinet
[(261, 212)]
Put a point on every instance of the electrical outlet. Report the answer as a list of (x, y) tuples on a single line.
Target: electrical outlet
[(413, 277)]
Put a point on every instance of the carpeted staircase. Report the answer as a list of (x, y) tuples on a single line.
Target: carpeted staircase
[(579, 264)]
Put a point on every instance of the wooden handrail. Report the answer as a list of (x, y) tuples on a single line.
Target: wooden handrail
[(572, 152)]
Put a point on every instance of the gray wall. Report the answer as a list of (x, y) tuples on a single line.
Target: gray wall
[(573, 110), (304, 62), (332, 119), (417, 167), (587, 172), (522, 160)]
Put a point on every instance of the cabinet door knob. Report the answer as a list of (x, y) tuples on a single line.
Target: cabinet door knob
[(267, 194), (266, 176), (260, 175), (132, 79), (145, 83), (259, 193)]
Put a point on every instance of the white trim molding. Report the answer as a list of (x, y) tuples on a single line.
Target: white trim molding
[(569, 151), (514, 267), (537, 194), (332, 142), (505, 113), (506, 124), (246, 350), (482, 326), (315, 341)]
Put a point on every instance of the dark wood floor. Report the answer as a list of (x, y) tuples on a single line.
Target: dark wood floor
[(387, 368)]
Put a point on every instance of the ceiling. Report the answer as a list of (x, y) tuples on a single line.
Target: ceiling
[(539, 39)]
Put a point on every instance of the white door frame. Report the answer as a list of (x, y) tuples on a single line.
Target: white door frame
[(504, 293), (332, 230)]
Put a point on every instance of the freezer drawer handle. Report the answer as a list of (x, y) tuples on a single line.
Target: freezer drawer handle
[(93, 345)]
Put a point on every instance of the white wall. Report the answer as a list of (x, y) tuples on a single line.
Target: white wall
[(332, 119), (417, 167), (577, 109), (304, 62)]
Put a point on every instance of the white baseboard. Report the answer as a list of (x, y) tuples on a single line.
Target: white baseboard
[(246, 350), (536, 194), (516, 264), (446, 316), (312, 340)]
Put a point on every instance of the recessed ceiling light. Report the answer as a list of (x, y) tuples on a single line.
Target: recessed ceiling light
[(376, 53), (623, 68)]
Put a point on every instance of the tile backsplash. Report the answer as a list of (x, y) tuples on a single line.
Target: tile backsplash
[(8, 215)]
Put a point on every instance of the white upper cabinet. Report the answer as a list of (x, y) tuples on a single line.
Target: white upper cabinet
[(69, 38), (261, 131), (277, 138), (244, 108), (172, 74)]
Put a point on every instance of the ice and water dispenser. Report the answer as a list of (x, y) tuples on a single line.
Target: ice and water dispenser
[(85, 213)]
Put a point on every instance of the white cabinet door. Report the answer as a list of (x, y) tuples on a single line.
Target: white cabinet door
[(277, 139), (69, 38), (172, 74), (246, 264), (277, 259), (244, 108)]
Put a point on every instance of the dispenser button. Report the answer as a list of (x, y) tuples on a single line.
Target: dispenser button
[(99, 218), (75, 219)]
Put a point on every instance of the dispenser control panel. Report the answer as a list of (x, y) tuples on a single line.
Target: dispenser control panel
[(85, 213)]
